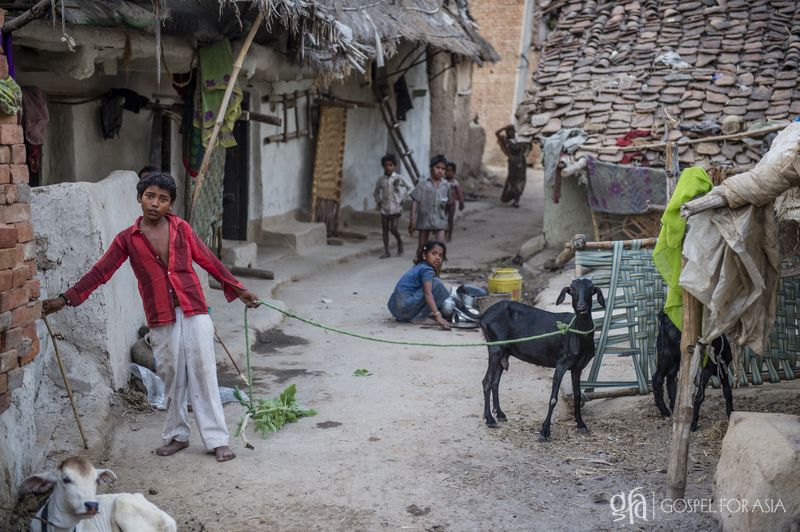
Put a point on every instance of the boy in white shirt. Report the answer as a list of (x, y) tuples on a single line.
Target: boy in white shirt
[(390, 191)]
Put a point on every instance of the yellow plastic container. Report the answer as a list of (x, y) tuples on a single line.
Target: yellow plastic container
[(506, 280)]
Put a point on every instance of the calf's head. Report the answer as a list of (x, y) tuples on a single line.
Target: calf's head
[(74, 484), (582, 290)]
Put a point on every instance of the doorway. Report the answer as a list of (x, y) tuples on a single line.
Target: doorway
[(235, 184)]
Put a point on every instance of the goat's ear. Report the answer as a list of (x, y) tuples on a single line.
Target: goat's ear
[(106, 475), (562, 295), (39, 483), (600, 299)]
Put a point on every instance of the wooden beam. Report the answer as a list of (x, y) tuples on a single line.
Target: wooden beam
[(285, 119), (348, 104), (646, 242), (33, 13), (682, 414), (283, 137), (262, 118), (660, 145)]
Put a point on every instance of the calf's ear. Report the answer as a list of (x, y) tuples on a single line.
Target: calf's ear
[(600, 299), (562, 295), (106, 475), (39, 483)]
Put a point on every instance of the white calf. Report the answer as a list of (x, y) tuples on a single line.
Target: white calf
[(75, 506)]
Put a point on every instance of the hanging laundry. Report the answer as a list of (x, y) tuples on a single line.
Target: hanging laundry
[(131, 100), (622, 189), (402, 98), (110, 116), (35, 117), (693, 182), (112, 105), (635, 158), (7, 51), (565, 140), (628, 138), (216, 65)]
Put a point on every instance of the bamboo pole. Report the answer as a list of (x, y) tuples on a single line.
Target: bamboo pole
[(237, 66), (658, 145), (645, 243), (66, 381), (230, 356), (682, 414)]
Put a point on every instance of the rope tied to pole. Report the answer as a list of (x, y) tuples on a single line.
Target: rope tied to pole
[(561, 329)]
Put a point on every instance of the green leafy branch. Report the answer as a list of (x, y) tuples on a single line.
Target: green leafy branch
[(269, 415)]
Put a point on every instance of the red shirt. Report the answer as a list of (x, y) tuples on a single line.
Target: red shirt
[(156, 279)]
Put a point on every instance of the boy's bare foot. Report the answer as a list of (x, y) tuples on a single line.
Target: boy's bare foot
[(385, 256), (224, 453), (171, 448)]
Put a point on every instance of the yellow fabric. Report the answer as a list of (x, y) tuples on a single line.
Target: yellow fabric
[(216, 65), (693, 182)]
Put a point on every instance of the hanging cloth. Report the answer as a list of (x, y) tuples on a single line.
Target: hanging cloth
[(112, 105), (35, 115), (693, 182), (216, 65), (7, 50)]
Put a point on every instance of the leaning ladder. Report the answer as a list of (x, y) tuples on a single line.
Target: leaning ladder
[(393, 125)]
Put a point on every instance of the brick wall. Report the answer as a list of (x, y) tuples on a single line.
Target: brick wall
[(19, 290), (493, 85)]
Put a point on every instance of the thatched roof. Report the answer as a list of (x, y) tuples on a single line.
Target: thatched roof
[(332, 37), (338, 35)]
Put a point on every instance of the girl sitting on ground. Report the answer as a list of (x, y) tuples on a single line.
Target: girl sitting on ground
[(419, 292)]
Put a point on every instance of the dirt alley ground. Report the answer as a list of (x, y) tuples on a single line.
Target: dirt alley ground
[(405, 448)]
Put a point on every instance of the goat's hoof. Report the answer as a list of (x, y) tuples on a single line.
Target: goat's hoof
[(694, 428), (502, 417), (492, 424), (583, 430), (544, 437)]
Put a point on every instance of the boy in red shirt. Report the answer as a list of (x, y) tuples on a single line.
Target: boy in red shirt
[(161, 248)]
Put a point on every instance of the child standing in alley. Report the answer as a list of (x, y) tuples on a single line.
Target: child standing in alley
[(390, 191), (456, 197), (161, 248), (428, 210)]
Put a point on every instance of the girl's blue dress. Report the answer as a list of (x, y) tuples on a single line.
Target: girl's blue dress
[(407, 302)]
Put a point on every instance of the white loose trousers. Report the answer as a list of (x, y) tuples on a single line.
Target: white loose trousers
[(184, 353)]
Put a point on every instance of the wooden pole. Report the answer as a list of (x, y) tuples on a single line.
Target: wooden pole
[(682, 414), (645, 243), (658, 145), (237, 66), (36, 11), (230, 356), (66, 382)]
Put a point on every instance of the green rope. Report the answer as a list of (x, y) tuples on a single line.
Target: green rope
[(563, 328), (247, 354)]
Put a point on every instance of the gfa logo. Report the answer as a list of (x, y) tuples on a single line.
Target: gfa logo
[(632, 506)]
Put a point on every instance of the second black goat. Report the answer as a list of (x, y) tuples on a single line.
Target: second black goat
[(668, 352)]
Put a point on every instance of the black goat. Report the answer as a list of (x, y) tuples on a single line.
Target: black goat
[(571, 351), (668, 361)]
